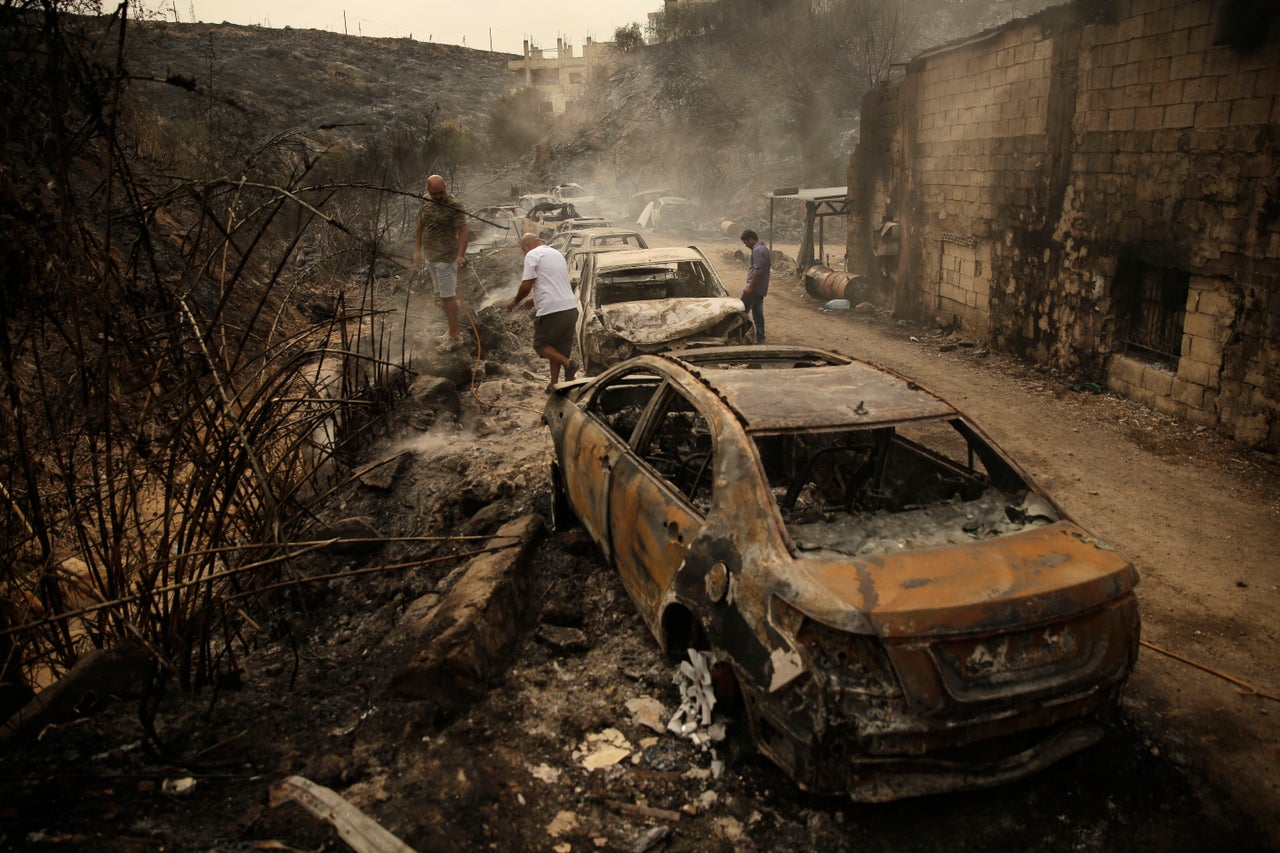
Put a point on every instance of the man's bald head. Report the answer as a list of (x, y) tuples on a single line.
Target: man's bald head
[(436, 187), (528, 241)]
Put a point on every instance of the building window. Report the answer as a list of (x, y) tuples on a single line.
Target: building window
[(575, 78), (1151, 303)]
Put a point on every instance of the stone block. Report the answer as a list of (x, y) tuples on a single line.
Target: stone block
[(1188, 393), (1157, 380), (1166, 92), (1149, 118), (1208, 350), (1250, 111), (1129, 29), (1201, 325), (1157, 22), (1203, 299), (1190, 15), (1174, 44), (1200, 372), (1236, 86), (1169, 406), (1179, 115), (1125, 75), (1251, 429), (1205, 417), (1212, 115), (1187, 65), (1125, 370), (1121, 120), (1154, 71), (1199, 89)]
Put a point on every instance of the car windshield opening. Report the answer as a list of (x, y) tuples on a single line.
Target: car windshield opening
[(895, 488), (669, 281)]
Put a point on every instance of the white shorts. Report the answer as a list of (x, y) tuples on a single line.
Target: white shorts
[(445, 277)]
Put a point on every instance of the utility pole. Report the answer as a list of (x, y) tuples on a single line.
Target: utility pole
[(491, 39), (344, 22)]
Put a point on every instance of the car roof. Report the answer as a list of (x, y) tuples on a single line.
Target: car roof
[(606, 232), (799, 388), (640, 257)]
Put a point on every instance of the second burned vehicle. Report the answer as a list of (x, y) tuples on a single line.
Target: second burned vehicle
[(894, 605), (649, 300)]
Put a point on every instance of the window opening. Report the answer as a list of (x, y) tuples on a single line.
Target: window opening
[(1151, 304)]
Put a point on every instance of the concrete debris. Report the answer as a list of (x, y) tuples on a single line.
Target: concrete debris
[(562, 823), (647, 711), (545, 773), (602, 749)]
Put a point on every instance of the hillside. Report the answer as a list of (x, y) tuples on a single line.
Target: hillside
[(288, 79)]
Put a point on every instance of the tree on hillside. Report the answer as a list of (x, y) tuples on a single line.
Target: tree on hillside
[(628, 38)]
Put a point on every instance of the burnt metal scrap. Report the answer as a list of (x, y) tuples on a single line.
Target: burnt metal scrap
[(902, 610)]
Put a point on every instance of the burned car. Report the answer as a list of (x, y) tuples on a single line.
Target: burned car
[(648, 300), (893, 605), (622, 238), (543, 218)]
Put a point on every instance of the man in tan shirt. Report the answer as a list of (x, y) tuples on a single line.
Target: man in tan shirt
[(442, 234)]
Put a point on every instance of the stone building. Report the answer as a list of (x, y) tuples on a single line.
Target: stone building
[(560, 78), (1097, 188)]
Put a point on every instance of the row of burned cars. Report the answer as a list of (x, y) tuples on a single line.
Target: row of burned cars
[(889, 601)]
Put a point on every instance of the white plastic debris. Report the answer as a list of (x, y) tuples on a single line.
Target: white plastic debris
[(697, 699), (838, 305)]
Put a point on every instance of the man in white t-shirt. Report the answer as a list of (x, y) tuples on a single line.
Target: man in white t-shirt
[(555, 309)]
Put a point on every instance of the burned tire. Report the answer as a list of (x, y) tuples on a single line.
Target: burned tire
[(562, 515)]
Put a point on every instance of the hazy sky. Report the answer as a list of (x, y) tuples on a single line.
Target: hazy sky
[(468, 22)]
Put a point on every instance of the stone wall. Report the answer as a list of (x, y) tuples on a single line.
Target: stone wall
[(1058, 178)]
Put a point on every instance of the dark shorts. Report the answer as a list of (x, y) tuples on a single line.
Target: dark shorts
[(555, 330)]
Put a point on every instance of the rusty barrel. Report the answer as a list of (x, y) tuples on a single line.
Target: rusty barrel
[(822, 282)]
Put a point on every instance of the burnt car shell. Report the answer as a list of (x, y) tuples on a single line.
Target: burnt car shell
[(925, 623), (649, 300)]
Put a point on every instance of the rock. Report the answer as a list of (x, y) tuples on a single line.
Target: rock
[(382, 474), (864, 308), (475, 625), (358, 527), (436, 393), (563, 639)]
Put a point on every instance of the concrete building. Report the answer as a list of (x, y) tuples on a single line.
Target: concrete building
[(1097, 188), (558, 77)]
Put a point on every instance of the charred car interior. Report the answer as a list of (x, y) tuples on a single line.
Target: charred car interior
[(902, 609)]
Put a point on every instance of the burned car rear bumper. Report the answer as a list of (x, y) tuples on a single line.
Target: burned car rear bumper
[(834, 737)]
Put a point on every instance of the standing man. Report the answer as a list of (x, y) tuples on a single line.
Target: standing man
[(757, 280), (555, 309), (442, 231)]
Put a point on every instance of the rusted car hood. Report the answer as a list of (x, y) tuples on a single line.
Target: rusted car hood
[(653, 321), (1039, 575)]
